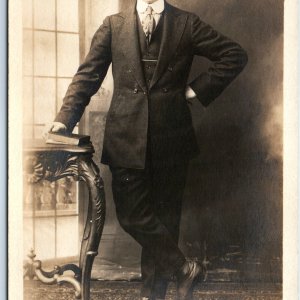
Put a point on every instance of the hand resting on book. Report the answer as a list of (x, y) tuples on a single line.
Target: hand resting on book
[(53, 127)]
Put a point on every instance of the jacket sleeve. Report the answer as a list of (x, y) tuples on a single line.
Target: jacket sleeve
[(88, 78), (228, 60)]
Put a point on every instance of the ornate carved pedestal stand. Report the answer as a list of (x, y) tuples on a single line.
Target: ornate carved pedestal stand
[(52, 162)]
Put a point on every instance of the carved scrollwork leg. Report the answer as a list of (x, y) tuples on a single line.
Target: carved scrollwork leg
[(52, 167), (89, 172), (33, 268)]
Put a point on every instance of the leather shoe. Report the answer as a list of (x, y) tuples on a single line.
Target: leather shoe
[(186, 279)]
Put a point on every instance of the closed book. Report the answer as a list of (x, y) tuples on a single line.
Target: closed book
[(67, 139)]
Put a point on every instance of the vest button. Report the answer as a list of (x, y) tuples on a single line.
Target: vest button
[(135, 91), (165, 90)]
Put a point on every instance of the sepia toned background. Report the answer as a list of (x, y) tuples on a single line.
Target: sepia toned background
[(233, 197)]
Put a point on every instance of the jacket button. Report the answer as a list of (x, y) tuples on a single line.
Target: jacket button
[(135, 91), (165, 90)]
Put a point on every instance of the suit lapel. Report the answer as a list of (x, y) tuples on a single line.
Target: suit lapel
[(130, 46), (174, 25), (173, 28)]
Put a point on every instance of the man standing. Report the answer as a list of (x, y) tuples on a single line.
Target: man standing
[(149, 138)]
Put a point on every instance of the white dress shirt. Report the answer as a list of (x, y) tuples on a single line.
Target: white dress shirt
[(157, 6)]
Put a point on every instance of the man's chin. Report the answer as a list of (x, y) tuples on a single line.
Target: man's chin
[(149, 1)]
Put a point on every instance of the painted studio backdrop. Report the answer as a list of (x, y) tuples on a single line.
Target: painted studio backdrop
[(232, 211)]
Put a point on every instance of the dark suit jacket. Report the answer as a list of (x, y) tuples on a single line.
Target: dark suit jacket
[(158, 114)]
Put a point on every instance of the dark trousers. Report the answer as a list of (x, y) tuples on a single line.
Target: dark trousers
[(148, 205)]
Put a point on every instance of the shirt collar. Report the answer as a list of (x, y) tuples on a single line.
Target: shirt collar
[(157, 6)]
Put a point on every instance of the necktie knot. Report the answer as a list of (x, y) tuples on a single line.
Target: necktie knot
[(149, 10)]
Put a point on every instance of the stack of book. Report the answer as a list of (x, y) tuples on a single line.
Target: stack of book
[(67, 139)]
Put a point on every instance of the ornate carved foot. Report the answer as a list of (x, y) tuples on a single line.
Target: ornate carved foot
[(89, 172), (33, 268)]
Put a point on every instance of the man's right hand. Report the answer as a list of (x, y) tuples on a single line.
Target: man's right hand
[(53, 127)]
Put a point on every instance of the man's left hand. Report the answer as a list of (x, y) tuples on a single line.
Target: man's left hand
[(189, 94)]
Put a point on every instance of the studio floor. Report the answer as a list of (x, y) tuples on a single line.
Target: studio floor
[(120, 290), (235, 276)]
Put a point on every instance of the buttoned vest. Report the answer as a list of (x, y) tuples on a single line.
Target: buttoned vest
[(150, 52)]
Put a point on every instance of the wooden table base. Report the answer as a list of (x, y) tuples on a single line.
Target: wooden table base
[(55, 162)]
